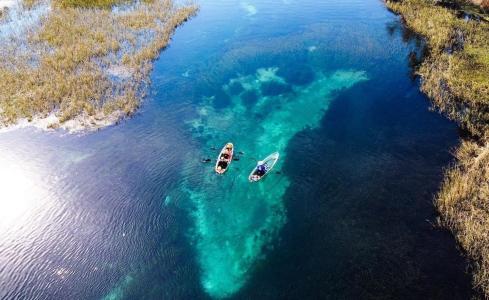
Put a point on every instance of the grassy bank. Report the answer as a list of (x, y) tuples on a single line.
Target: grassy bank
[(88, 3), (455, 75), (85, 65)]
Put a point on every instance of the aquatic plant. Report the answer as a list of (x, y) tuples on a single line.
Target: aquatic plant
[(235, 222), (88, 65), (455, 74)]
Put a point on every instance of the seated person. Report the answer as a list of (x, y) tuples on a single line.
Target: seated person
[(260, 170), (222, 164)]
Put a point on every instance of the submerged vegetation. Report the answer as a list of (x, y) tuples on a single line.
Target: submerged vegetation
[(84, 67), (455, 75)]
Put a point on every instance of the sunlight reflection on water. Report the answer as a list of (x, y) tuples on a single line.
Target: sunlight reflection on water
[(22, 193)]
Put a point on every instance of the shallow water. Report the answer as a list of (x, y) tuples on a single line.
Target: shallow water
[(235, 220), (131, 212)]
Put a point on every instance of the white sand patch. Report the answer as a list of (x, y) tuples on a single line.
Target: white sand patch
[(312, 48), (262, 75), (249, 8), (269, 74), (19, 20), (120, 71), (8, 3), (80, 124), (86, 123), (45, 123)]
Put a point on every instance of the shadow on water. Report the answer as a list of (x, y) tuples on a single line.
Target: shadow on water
[(360, 212), (419, 46)]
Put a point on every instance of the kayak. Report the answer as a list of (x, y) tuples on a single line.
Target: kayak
[(224, 159), (263, 167)]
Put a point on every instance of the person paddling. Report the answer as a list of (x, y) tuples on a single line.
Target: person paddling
[(224, 159)]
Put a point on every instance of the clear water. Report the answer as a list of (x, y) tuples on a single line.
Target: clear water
[(131, 212)]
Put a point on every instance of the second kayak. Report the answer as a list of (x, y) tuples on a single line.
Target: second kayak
[(263, 167)]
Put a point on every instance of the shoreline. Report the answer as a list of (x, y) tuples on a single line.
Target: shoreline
[(455, 75), (79, 125)]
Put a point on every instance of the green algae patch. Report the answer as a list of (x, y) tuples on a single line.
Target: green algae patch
[(236, 222)]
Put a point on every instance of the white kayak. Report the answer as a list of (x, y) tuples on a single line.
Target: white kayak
[(263, 167)]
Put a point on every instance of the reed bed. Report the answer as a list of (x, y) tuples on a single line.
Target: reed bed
[(28, 4), (464, 207), (484, 4), (87, 66), (88, 3), (455, 74)]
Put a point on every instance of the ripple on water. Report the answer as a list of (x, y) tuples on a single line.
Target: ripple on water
[(235, 221)]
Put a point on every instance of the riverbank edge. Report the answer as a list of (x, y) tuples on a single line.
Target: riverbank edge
[(462, 200)]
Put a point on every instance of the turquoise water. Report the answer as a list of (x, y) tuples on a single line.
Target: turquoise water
[(236, 220), (131, 212)]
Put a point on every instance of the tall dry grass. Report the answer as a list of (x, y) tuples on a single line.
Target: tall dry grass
[(88, 3), (28, 4), (455, 74), (67, 66), (484, 4), (463, 203)]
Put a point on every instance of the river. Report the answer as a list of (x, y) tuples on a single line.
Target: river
[(131, 212)]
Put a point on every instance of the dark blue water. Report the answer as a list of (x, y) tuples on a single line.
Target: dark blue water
[(130, 212)]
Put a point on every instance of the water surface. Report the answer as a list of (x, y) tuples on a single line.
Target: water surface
[(131, 212)]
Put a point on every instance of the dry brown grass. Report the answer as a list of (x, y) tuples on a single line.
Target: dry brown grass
[(66, 69), (464, 205), (87, 3), (28, 4), (484, 4), (455, 74)]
